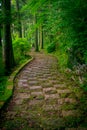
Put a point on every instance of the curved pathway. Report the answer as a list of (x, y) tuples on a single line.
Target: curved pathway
[(42, 99)]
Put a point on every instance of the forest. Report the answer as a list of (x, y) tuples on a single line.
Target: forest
[(56, 27)]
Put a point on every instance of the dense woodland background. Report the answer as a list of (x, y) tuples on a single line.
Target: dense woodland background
[(57, 26)]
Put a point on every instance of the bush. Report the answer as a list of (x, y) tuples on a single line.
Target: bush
[(51, 48), (62, 59), (21, 49)]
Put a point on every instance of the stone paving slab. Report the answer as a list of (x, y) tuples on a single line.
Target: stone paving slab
[(70, 113), (48, 89), (61, 101), (33, 82), (51, 96), (36, 93), (35, 102), (63, 91), (60, 86), (22, 96), (51, 107), (35, 88)]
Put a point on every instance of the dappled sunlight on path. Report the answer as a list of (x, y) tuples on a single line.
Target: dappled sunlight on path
[(42, 99)]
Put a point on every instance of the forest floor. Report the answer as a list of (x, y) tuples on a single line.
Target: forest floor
[(43, 99)]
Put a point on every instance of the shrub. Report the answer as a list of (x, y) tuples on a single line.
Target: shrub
[(51, 48), (1, 63), (21, 49)]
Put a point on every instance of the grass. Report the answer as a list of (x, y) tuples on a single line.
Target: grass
[(73, 121), (3, 79), (69, 106), (2, 85)]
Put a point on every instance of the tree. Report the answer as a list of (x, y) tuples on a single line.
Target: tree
[(36, 35), (0, 24), (42, 38), (0, 36), (19, 18), (8, 56)]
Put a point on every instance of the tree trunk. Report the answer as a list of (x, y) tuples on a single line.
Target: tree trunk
[(0, 23), (42, 44), (8, 56), (23, 30), (41, 37), (19, 19), (36, 47), (36, 36), (0, 36)]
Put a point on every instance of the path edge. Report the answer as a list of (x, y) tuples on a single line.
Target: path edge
[(10, 84)]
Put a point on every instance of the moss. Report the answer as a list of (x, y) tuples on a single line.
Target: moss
[(40, 97), (32, 97), (71, 95), (7, 94), (64, 95), (51, 101), (22, 91), (67, 106)]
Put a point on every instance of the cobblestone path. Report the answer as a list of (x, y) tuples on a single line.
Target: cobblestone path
[(42, 99)]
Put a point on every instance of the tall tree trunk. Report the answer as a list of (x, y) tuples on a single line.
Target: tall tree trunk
[(19, 19), (23, 29), (36, 47), (0, 22), (36, 36), (0, 36), (42, 44), (41, 37), (8, 56)]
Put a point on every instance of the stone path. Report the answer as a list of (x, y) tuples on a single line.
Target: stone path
[(42, 99)]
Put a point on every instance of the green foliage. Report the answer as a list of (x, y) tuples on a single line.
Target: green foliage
[(73, 17), (51, 47), (21, 49), (65, 23), (72, 121), (85, 56), (2, 77), (84, 87), (62, 59), (1, 63)]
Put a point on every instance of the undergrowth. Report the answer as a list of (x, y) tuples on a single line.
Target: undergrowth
[(21, 49)]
